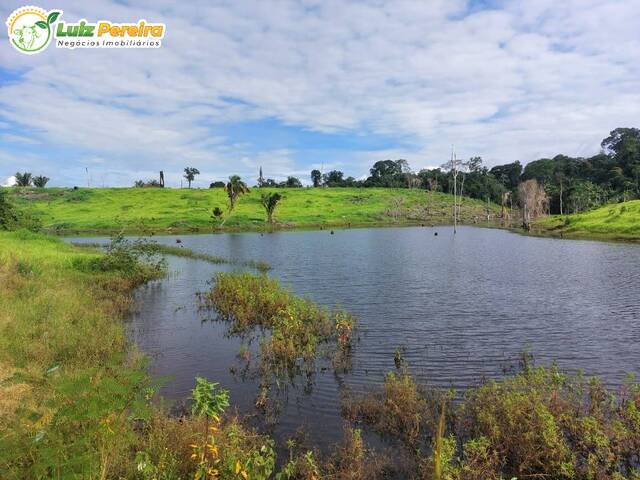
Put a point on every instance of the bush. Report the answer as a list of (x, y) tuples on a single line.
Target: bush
[(134, 260), (11, 218)]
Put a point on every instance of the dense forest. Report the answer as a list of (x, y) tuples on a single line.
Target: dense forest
[(571, 184)]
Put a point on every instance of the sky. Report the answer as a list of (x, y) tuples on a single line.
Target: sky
[(297, 85)]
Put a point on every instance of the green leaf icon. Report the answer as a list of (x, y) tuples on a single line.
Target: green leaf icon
[(41, 24), (53, 16)]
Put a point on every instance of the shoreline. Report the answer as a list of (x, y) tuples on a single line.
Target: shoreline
[(534, 232)]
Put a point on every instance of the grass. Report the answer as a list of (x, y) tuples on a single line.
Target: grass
[(69, 382), (620, 221), (100, 210), (296, 329)]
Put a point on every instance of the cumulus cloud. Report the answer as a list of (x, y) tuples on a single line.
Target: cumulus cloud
[(9, 182), (520, 80)]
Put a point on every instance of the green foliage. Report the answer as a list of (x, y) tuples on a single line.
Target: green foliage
[(610, 221), (135, 259), (208, 399), (190, 174), (23, 179), (270, 202), (537, 423), (293, 329), (13, 218), (234, 189), (40, 181)]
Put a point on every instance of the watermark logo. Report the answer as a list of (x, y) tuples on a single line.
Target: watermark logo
[(32, 29)]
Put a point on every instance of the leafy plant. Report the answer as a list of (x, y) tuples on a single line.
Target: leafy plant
[(208, 399)]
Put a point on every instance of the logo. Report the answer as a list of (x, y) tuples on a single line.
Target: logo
[(31, 28)]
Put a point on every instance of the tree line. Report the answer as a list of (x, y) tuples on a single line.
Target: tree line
[(571, 184)]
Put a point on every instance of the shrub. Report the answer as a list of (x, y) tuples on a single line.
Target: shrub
[(134, 260), (12, 218)]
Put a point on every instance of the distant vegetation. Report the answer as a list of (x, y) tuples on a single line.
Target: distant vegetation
[(26, 179)]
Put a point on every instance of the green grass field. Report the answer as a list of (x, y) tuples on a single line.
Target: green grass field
[(181, 210), (617, 221)]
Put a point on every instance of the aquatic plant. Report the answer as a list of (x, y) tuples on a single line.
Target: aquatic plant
[(536, 423), (299, 331)]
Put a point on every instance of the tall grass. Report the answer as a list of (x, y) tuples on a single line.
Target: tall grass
[(69, 382)]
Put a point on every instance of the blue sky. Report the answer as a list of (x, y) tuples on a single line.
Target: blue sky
[(296, 85)]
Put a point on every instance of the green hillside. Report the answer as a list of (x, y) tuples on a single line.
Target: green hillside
[(617, 221), (172, 210)]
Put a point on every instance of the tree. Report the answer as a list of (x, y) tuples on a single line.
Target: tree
[(260, 178), (534, 201), (40, 181), (334, 178), (190, 174), (216, 185), (23, 179), (235, 187), (508, 175), (293, 182), (270, 201), (389, 173), (316, 177)]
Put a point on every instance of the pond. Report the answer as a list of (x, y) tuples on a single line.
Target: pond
[(461, 307)]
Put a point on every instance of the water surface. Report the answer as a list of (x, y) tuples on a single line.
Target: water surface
[(462, 308)]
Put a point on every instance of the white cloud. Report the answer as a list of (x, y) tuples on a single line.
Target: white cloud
[(9, 182), (531, 79)]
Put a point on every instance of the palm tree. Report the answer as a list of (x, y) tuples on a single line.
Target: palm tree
[(235, 187), (270, 201), (23, 179), (40, 181)]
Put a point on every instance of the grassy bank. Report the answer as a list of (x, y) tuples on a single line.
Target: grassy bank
[(620, 221), (69, 382), (75, 398), (181, 210)]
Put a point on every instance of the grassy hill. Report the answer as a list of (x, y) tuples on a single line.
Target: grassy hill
[(616, 221), (100, 210)]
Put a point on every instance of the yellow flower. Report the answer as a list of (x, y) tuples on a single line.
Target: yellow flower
[(238, 466), (244, 475)]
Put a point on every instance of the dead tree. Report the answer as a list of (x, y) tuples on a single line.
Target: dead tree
[(504, 213), (534, 201)]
